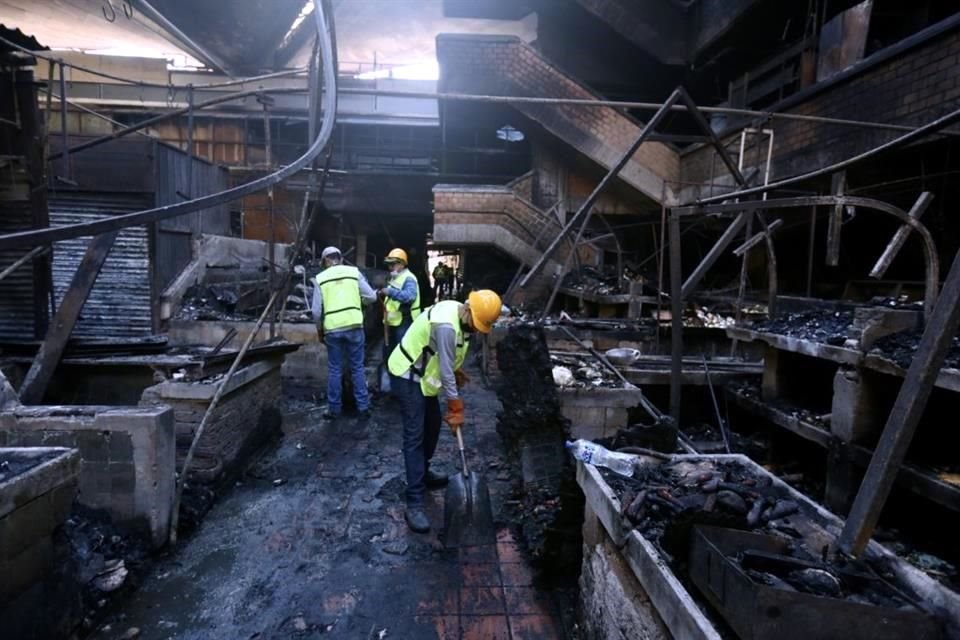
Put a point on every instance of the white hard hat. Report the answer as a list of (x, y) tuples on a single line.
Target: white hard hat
[(329, 251)]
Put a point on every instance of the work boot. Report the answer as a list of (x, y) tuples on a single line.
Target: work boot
[(417, 520), (329, 415), (363, 416), (435, 480)]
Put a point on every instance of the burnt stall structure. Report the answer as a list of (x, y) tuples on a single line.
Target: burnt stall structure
[(848, 114)]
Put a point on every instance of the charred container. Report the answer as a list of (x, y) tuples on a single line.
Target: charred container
[(719, 563)]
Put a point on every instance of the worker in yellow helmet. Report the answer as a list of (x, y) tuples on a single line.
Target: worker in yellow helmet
[(401, 297), (427, 360)]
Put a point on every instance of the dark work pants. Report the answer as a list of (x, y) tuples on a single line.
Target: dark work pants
[(421, 431)]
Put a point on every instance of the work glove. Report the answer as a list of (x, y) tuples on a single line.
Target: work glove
[(320, 333), (454, 416), (462, 378), (382, 293)]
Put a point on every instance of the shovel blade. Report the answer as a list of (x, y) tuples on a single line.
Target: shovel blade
[(467, 514)]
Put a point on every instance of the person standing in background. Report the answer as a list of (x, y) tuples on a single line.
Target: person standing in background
[(340, 291)]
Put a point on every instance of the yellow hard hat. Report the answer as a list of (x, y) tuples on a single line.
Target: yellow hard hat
[(397, 255), (485, 308)]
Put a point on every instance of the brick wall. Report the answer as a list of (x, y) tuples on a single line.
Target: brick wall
[(247, 413), (529, 230), (127, 457), (507, 66), (911, 89)]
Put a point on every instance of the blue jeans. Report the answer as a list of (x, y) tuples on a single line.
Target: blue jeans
[(421, 431), (345, 346)]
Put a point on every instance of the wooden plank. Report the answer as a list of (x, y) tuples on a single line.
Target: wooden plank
[(835, 221), (713, 255), (51, 351), (900, 237), (905, 416)]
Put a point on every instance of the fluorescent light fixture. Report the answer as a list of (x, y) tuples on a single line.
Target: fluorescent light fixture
[(427, 70)]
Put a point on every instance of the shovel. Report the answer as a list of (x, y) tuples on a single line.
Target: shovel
[(467, 515)]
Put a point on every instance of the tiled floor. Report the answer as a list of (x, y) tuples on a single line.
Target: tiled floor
[(326, 554), (494, 597)]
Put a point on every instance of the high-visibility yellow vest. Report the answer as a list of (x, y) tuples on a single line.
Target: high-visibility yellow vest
[(340, 287), (394, 310), (416, 342)]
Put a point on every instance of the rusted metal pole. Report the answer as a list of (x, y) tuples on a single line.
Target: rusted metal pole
[(676, 321), (810, 246), (65, 152), (271, 245)]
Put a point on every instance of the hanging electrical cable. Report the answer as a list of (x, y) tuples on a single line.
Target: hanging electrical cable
[(327, 53), (57, 234)]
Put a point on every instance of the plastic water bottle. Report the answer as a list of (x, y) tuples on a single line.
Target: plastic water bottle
[(592, 453)]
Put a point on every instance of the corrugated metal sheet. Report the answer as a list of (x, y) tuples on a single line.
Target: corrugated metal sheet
[(173, 186), (16, 290), (174, 252), (120, 304), (173, 241)]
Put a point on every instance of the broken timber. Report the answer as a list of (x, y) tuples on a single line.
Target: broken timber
[(48, 357), (900, 237), (904, 417)]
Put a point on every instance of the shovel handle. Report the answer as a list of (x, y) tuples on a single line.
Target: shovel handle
[(463, 456)]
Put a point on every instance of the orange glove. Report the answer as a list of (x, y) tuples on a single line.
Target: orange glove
[(454, 416), (462, 378)]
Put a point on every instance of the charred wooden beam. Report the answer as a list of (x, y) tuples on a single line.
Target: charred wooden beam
[(904, 417), (900, 237), (835, 222), (51, 351)]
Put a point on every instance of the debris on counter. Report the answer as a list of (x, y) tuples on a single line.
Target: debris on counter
[(563, 377), (816, 325)]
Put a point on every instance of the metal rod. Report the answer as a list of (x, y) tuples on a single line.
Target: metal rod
[(926, 130), (149, 122), (676, 321), (36, 252), (757, 238), (271, 245), (587, 205), (810, 246), (931, 283), (716, 407), (627, 104), (65, 153)]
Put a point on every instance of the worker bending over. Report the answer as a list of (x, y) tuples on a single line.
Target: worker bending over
[(401, 298), (429, 358), (339, 293)]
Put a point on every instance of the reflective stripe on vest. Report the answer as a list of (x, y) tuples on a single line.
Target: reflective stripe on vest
[(340, 287), (396, 312), (416, 343)]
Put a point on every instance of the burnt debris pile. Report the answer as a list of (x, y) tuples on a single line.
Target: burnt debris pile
[(816, 325), (548, 507)]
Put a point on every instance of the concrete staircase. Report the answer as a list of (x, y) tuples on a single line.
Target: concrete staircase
[(505, 65), (499, 216)]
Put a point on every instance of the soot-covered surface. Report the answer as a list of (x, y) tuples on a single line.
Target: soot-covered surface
[(664, 501), (312, 543), (829, 327), (14, 463)]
